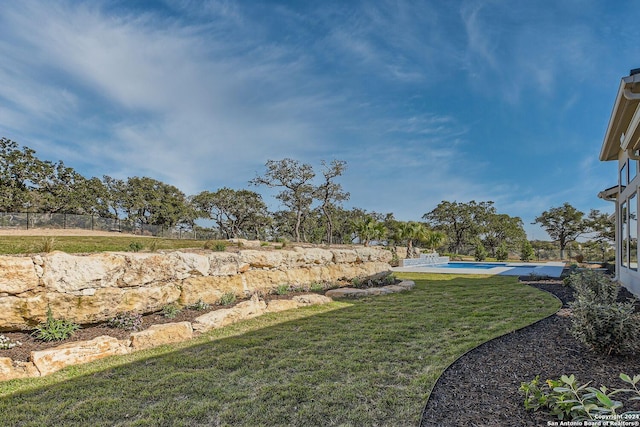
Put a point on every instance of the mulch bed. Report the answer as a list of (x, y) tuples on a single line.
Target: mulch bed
[(481, 387), (88, 332)]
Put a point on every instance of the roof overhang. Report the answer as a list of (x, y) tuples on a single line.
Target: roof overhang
[(610, 194), (625, 109)]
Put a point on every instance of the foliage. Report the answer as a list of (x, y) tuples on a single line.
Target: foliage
[(170, 311), (502, 253), (282, 290), (199, 306), (526, 251), (502, 229), (6, 343), (316, 287), (149, 201), (46, 245), (368, 229), (135, 246), (598, 320), (227, 298), (216, 246), (54, 329), (128, 321), (330, 193), (568, 400), (564, 224), (480, 253)]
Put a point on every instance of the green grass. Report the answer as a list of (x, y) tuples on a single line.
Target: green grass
[(365, 362), (83, 244)]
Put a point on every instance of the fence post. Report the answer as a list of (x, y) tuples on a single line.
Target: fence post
[(91, 222), (64, 221), (27, 220)]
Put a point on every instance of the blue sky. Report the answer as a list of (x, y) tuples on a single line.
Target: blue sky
[(426, 100)]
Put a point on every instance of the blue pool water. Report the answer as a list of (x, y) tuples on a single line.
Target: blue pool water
[(475, 265)]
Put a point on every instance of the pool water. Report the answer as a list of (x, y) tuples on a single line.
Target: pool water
[(476, 265)]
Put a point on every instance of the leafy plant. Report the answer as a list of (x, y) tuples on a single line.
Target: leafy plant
[(128, 321), (502, 253), (6, 343), (227, 298), (566, 399), (480, 253), (526, 251), (171, 310), (54, 329), (316, 287), (598, 320), (283, 290), (135, 246), (215, 245), (199, 306), (46, 244), (153, 245)]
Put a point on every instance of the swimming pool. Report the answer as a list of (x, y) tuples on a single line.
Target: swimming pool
[(476, 265), (551, 269)]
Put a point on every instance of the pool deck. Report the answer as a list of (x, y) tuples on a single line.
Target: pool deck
[(550, 269)]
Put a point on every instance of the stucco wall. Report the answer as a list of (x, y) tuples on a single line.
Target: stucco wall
[(93, 288)]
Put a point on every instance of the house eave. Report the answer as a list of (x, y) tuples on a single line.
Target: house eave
[(623, 110)]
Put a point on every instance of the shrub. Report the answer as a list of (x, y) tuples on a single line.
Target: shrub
[(316, 287), (502, 253), (526, 251), (135, 246), (47, 244), (579, 258), (128, 321), (170, 310), (153, 245), (215, 245), (55, 329), (199, 306), (227, 298), (598, 320), (6, 343), (480, 253), (566, 399), (282, 289)]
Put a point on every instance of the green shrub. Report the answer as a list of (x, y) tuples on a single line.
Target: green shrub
[(54, 329), (46, 245), (135, 246), (199, 306), (568, 400), (128, 321), (171, 310), (598, 320), (283, 289), (227, 298), (526, 251), (480, 253), (316, 287), (215, 245), (502, 253)]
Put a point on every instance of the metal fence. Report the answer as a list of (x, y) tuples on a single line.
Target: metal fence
[(29, 220)]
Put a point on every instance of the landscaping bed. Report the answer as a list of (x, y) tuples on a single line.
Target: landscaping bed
[(481, 387)]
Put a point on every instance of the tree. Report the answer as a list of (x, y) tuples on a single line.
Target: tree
[(480, 253), (330, 194), (564, 224), (502, 253), (18, 171), (367, 229), (434, 239), (237, 213), (526, 251), (149, 201), (411, 232), (462, 222), (295, 179), (503, 229)]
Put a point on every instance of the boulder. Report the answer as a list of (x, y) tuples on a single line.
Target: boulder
[(10, 370), (157, 335), (276, 305), (17, 275)]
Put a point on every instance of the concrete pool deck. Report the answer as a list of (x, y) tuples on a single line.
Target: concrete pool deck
[(551, 269)]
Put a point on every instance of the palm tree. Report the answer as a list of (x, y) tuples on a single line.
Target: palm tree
[(367, 229), (410, 231), (434, 239)]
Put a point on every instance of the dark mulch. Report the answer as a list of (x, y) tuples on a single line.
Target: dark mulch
[(481, 388)]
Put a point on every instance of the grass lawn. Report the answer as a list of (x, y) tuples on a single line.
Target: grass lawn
[(352, 363), (83, 244)]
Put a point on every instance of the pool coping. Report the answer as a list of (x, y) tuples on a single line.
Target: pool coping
[(550, 269)]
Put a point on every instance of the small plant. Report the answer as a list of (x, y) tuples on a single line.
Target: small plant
[(199, 306), (153, 245), (502, 253), (227, 298), (6, 343), (389, 280), (135, 246), (127, 321), (357, 282), (170, 310), (480, 253), (526, 251), (316, 287), (579, 258), (46, 245), (55, 329), (568, 400), (215, 245), (283, 290)]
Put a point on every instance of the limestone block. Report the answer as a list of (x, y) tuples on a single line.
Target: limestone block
[(346, 293), (75, 353), (190, 264), (225, 264), (219, 318), (407, 284), (315, 255), (261, 259), (341, 256), (209, 288), (312, 299), (276, 305), (396, 288), (63, 272), (161, 334), (17, 274), (144, 269), (10, 370), (263, 280), (22, 312), (379, 291)]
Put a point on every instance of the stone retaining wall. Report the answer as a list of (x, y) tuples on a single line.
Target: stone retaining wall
[(94, 288)]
